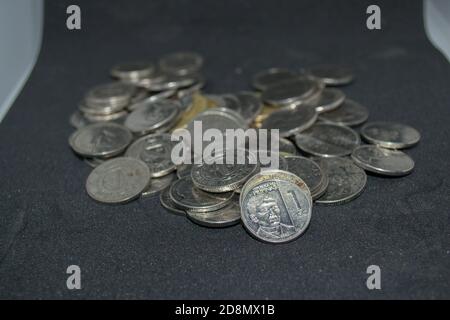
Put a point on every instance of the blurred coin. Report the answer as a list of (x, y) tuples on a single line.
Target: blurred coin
[(383, 161), (109, 117), (328, 140), (286, 146), (167, 202), (390, 135), (184, 193), (349, 113), (118, 180), (155, 150), (291, 121), (184, 170), (103, 139), (162, 95), (181, 63), (78, 120), (158, 184), (331, 75), (289, 92), (250, 105), (174, 82), (133, 70), (346, 180), (274, 76), (94, 162), (329, 100), (108, 98), (229, 215)]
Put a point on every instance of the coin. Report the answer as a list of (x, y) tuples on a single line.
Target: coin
[(170, 81), (286, 146), (390, 135), (291, 120), (133, 70), (181, 63), (118, 180), (383, 161), (346, 180), (167, 202), (103, 139), (273, 76), (184, 193), (155, 150), (329, 100), (184, 170), (158, 184), (110, 117), (328, 140), (151, 116), (94, 162), (229, 215), (108, 98), (275, 210), (349, 113), (332, 75), (162, 95), (265, 160), (216, 174), (78, 120), (310, 172), (289, 92), (250, 105)]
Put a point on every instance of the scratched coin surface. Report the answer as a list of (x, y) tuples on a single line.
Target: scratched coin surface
[(167, 202), (187, 196), (155, 150), (229, 215), (346, 180), (332, 75), (275, 209), (288, 92), (158, 184), (104, 139), (328, 140), (349, 113), (181, 63), (291, 120), (217, 174), (390, 135), (383, 161), (151, 116), (273, 76), (118, 180), (310, 172), (329, 100)]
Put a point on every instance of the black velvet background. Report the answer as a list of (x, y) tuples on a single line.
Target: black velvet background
[(139, 250)]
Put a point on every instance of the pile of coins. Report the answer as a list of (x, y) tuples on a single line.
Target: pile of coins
[(124, 131)]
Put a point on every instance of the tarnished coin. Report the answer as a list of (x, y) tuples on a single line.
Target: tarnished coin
[(289, 92), (133, 70), (151, 116), (158, 184), (346, 180), (331, 75), (181, 63), (220, 175), (328, 140), (349, 113), (167, 202), (108, 98), (155, 150), (118, 180), (103, 139), (291, 121), (187, 196), (229, 215), (273, 76), (383, 161), (250, 105), (275, 210), (310, 172), (329, 100), (390, 135)]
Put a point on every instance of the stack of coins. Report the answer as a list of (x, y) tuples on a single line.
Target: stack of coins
[(124, 131)]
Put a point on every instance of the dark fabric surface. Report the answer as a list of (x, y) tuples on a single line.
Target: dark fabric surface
[(139, 250)]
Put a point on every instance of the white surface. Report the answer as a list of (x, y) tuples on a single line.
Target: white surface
[(20, 37), (437, 24)]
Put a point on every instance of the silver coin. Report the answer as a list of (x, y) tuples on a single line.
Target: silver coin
[(286, 146), (110, 117), (383, 161), (140, 95), (108, 98), (167, 202), (310, 172), (218, 175), (291, 121), (273, 76), (328, 140), (346, 180), (390, 135), (150, 116), (329, 100), (118, 180), (174, 82), (158, 184), (133, 70), (349, 113), (290, 92), (181, 63), (250, 105), (155, 150), (275, 210), (332, 75), (78, 120), (196, 87), (187, 196), (94, 162), (229, 215), (104, 139), (265, 160), (184, 170)]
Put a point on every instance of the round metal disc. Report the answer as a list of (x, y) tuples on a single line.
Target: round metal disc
[(181, 63), (227, 216), (274, 76), (158, 184), (390, 135), (332, 75), (167, 202), (329, 100), (133, 70), (108, 98), (289, 92), (349, 113)]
